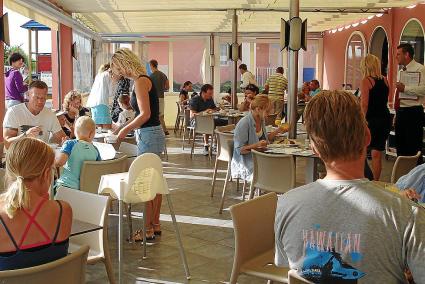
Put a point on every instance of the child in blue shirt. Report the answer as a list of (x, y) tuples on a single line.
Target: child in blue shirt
[(74, 152)]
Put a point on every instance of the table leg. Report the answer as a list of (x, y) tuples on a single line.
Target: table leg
[(311, 173), (120, 241), (144, 230), (176, 229)]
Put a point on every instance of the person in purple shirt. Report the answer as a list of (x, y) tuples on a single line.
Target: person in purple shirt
[(14, 83)]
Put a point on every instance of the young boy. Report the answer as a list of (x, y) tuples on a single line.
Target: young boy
[(126, 115), (75, 152)]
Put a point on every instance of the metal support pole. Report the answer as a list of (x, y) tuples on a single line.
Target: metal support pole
[(212, 61), (234, 60), (36, 53), (29, 56), (294, 11)]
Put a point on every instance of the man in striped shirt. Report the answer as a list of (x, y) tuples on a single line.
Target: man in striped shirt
[(275, 86)]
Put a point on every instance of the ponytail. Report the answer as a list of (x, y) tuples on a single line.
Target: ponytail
[(16, 197)]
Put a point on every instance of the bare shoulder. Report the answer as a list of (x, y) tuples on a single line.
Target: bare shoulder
[(143, 82), (66, 220)]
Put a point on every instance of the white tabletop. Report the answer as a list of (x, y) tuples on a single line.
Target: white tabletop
[(110, 184)]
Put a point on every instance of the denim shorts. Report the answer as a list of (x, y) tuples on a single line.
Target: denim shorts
[(150, 140)]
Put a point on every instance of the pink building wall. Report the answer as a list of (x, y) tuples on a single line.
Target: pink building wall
[(334, 44), (66, 71)]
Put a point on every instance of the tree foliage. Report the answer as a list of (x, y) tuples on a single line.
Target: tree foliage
[(8, 50)]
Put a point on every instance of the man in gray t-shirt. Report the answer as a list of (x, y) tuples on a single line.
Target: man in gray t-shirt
[(162, 84), (344, 228)]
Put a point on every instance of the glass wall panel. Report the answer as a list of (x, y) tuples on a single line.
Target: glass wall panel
[(188, 63), (414, 35), (82, 63), (355, 53)]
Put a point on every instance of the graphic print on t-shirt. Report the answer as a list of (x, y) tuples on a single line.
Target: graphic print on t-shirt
[(323, 261)]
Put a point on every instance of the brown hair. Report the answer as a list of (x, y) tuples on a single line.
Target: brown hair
[(336, 125), (38, 84), (260, 101), (26, 159), (124, 99)]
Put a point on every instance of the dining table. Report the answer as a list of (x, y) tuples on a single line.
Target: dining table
[(298, 150), (80, 227)]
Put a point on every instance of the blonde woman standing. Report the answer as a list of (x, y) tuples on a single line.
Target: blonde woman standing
[(149, 134), (34, 230), (374, 101)]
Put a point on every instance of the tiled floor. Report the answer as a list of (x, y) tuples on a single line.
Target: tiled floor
[(207, 235)]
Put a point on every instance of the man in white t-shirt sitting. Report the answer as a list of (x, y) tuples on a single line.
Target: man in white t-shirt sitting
[(32, 119), (345, 228)]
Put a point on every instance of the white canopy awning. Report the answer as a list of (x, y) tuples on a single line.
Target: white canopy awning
[(208, 16)]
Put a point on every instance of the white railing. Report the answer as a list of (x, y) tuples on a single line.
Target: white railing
[(262, 73)]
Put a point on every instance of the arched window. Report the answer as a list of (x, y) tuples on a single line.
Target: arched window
[(356, 50), (413, 33), (379, 47)]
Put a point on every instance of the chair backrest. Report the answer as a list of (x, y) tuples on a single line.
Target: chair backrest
[(224, 146), (92, 171), (130, 150), (179, 108), (90, 208), (403, 165), (187, 117), (253, 223), (225, 128), (294, 278), (68, 270), (273, 172), (270, 119), (148, 189), (204, 124)]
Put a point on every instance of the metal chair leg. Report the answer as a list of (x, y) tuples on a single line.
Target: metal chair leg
[(243, 190), (251, 192), (223, 194), (144, 230), (193, 145), (177, 231), (214, 177), (130, 224)]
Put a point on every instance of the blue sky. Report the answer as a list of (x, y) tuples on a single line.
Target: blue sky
[(19, 36)]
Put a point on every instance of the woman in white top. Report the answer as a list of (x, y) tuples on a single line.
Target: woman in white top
[(98, 99)]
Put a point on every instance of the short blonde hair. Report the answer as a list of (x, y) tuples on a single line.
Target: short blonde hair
[(83, 126), (260, 101), (125, 59), (371, 66), (336, 125), (26, 159), (72, 95)]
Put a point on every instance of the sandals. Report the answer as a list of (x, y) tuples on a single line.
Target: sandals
[(157, 230), (138, 235)]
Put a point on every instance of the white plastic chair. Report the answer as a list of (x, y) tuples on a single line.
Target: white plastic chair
[(204, 124), (70, 269), (253, 222), (272, 172), (403, 165), (224, 152), (144, 180), (91, 172), (93, 209)]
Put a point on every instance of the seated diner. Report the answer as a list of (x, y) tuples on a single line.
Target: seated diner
[(34, 230)]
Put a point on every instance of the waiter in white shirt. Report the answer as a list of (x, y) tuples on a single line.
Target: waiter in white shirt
[(247, 77), (409, 104)]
